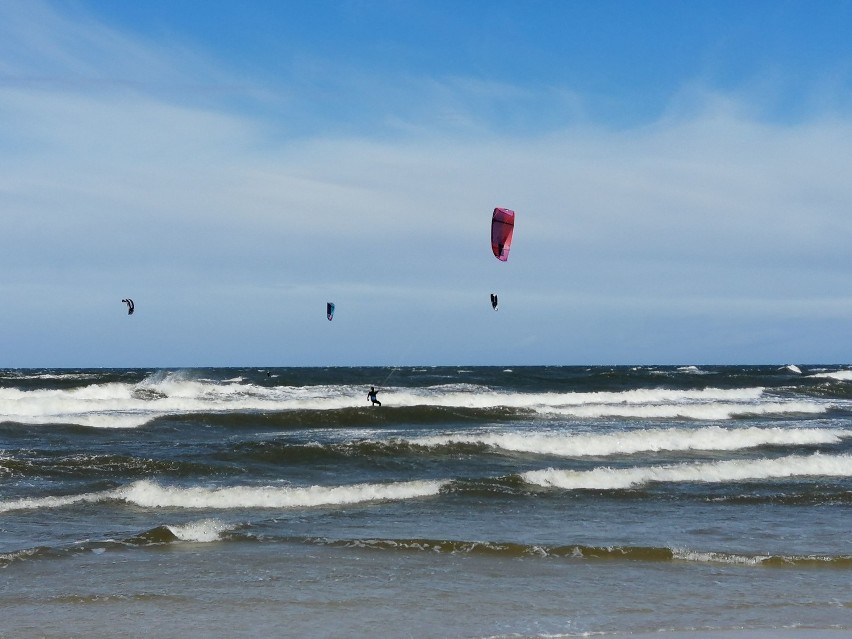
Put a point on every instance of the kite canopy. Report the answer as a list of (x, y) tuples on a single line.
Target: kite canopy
[(329, 311), (502, 227), (130, 306)]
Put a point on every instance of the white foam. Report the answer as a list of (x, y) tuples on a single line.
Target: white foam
[(793, 369), (843, 376), (694, 370), (149, 494), (125, 405), (62, 376), (700, 411), (206, 530), (719, 558), (605, 478), (119, 405), (472, 396), (152, 495), (629, 442), (35, 503)]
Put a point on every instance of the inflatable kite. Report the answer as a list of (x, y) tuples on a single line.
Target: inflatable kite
[(502, 227)]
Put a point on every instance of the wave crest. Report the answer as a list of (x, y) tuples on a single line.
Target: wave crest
[(150, 494), (606, 478), (646, 440)]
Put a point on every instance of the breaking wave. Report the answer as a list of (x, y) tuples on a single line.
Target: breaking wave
[(149, 494), (205, 530), (842, 376), (118, 404), (645, 440), (606, 478)]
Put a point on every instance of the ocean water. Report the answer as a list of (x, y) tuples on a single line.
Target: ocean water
[(475, 502)]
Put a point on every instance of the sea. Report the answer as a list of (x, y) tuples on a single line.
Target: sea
[(475, 502)]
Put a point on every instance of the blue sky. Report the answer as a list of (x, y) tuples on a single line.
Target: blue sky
[(680, 172)]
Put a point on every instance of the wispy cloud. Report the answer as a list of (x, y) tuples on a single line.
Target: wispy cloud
[(111, 182)]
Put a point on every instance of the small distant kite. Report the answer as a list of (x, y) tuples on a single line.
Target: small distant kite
[(329, 311), (494, 301), (130, 306), (502, 228)]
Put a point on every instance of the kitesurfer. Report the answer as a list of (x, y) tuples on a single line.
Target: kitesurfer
[(372, 396), (493, 301)]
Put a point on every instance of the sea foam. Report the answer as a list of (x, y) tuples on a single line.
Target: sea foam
[(842, 376), (643, 440), (125, 405), (205, 530), (150, 494), (153, 495), (606, 478)]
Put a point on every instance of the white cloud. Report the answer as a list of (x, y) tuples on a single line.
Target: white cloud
[(704, 219)]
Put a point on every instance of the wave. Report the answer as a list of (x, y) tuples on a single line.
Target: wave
[(211, 530), (118, 404), (636, 441), (15, 375), (152, 495), (21, 555), (606, 478), (149, 494), (698, 412), (201, 531), (841, 376), (580, 551), (821, 495), (125, 405), (692, 370), (205, 530), (565, 444), (99, 466)]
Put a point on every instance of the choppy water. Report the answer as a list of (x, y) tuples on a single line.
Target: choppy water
[(478, 502)]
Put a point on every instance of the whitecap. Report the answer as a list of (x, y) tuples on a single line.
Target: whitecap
[(842, 376), (605, 478), (150, 494), (205, 530), (643, 440), (693, 370)]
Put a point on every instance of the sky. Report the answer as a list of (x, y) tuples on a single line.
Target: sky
[(680, 173)]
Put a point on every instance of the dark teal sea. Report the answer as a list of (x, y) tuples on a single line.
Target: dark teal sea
[(474, 502)]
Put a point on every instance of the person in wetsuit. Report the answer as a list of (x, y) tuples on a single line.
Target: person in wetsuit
[(371, 395)]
